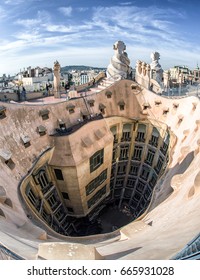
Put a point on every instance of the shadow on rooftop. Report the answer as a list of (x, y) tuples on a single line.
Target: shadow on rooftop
[(121, 254)]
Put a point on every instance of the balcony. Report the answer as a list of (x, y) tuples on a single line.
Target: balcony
[(67, 131)]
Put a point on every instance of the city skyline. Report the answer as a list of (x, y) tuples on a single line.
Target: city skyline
[(36, 32)]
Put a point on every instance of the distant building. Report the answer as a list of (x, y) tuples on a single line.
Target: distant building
[(84, 78), (196, 74), (177, 70), (35, 78)]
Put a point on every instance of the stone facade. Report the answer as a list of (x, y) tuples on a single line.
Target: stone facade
[(62, 165)]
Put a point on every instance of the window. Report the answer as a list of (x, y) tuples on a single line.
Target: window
[(114, 132), (134, 169), (164, 148), (53, 201), (131, 182), (96, 182), (159, 164), (117, 193), (111, 184), (154, 137), (59, 175), (121, 105), (114, 155), (47, 217), (137, 155), (145, 173), (142, 203), (154, 141), (96, 197), (60, 214), (124, 152), (126, 136), (141, 133), (165, 145), (119, 182), (150, 157), (137, 196), (153, 180), (65, 195), (96, 160), (126, 132), (121, 168), (140, 186), (115, 139), (133, 205), (30, 194), (113, 170), (147, 193), (140, 137), (128, 193), (43, 180)]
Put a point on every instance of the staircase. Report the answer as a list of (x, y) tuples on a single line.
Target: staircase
[(103, 84)]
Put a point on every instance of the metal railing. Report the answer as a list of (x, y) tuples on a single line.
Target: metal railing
[(6, 253), (75, 127), (191, 251)]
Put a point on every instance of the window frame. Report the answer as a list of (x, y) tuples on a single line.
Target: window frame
[(96, 160)]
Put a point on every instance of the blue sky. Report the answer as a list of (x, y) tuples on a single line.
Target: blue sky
[(74, 32)]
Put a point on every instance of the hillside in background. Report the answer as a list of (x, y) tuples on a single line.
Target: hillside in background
[(80, 68)]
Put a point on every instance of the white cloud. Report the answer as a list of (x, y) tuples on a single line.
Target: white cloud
[(61, 28), (142, 29), (57, 28), (28, 22), (126, 3), (16, 2), (3, 13), (28, 37), (82, 9), (148, 23), (66, 11)]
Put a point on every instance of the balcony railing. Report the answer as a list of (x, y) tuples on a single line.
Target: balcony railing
[(75, 127)]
